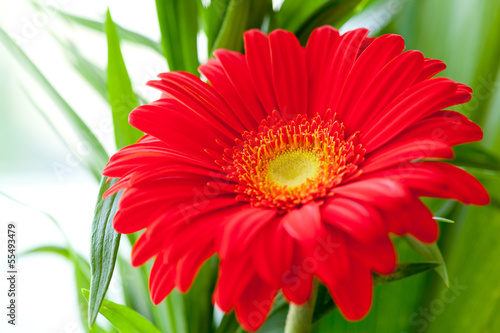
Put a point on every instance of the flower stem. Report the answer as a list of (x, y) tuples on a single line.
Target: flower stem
[(299, 317)]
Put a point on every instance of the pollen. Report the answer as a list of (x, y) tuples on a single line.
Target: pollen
[(284, 165), (293, 167)]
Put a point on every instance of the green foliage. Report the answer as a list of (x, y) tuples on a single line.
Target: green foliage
[(124, 319), (473, 266), (121, 96), (104, 245), (178, 21), (462, 33), (97, 154), (430, 252), (334, 12), (239, 16), (124, 34)]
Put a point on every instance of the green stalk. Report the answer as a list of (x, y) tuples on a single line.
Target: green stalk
[(299, 317)]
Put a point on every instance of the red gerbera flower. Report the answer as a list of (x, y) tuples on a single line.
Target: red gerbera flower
[(293, 163)]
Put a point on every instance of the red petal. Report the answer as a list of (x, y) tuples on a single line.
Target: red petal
[(199, 97), (258, 55), (389, 83), (234, 277), (240, 229), (190, 264), (353, 296), (359, 221), (236, 69), (401, 151), (370, 62), (431, 68), (440, 180), (420, 222), (320, 46), (254, 304), (381, 192), (180, 225), (177, 128), (333, 258), (304, 224), (418, 102), (379, 256), (215, 74), (271, 265), (342, 61), (161, 279), (289, 73)]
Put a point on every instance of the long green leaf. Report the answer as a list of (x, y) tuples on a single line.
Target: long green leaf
[(64, 139), (124, 319), (135, 290), (432, 253), (98, 156), (475, 156), (293, 13), (82, 276), (472, 259), (235, 22), (125, 34), (104, 247), (232, 19), (121, 96), (178, 21), (93, 74), (198, 300), (333, 12), (213, 16)]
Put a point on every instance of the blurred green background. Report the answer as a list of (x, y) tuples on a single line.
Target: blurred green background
[(77, 56)]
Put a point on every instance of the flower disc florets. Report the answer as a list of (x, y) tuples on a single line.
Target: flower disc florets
[(285, 165)]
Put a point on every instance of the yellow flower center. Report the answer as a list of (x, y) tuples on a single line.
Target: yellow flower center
[(284, 165), (293, 167)]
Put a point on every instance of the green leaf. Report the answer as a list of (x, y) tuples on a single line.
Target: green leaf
[(226, 21), (213, 16), (198, 300), (124, 319), (135, 288), (432, 253), (124, 33), (104, 244), (93, 74), (275, 322), (62, 251), (178, 21), (293, 13), (121, 96), (472, 261), (475, 156), (236, 20), (442, 219), (228, 324), (61, 134), (82, 277), (333, 12), (97, 154), (405, 270)]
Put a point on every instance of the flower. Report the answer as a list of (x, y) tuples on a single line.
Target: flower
[(292, 164)]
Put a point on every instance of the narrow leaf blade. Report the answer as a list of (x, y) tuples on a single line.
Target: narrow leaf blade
[(431, 253), (179, 28), (104, 247), (124, 319), (97, 153), (121, 96)]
